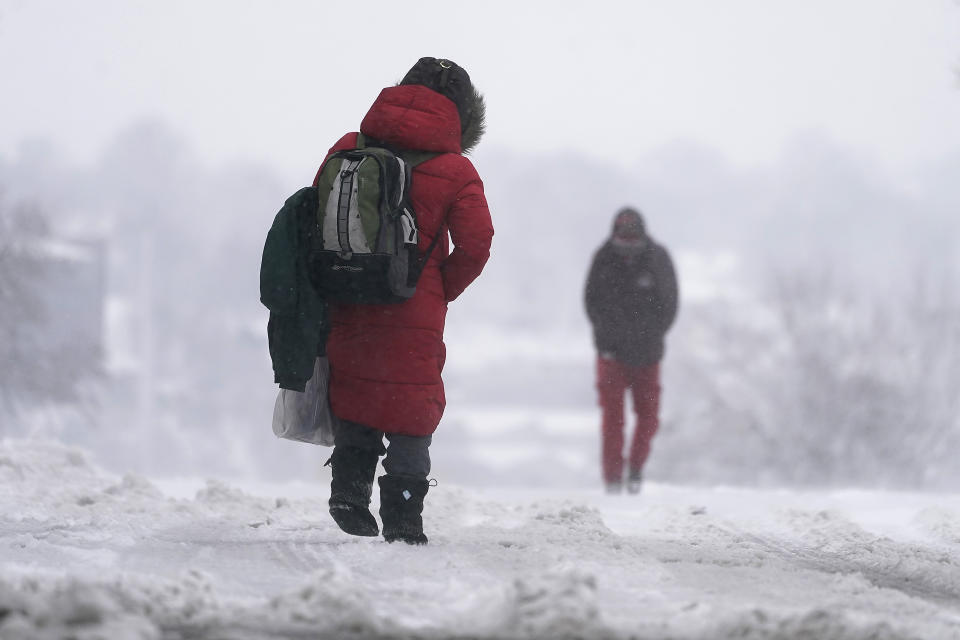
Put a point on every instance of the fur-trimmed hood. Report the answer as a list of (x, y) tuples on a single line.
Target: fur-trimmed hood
[(477, 126)]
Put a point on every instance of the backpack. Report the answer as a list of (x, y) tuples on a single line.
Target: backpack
[(364, 247)]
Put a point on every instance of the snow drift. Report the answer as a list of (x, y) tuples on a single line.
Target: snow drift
[(86, 554)]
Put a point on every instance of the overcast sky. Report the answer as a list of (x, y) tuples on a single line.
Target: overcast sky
[(276, 82)]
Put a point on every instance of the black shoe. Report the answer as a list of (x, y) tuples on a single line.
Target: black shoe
[(354, 519), (414, 538), (613, 488), (401, 506), (350, 490), (634, 481)]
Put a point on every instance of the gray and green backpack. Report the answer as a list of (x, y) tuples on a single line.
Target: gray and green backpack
[(365, 242)]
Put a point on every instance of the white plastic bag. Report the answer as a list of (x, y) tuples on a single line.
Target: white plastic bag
[(305, 416)]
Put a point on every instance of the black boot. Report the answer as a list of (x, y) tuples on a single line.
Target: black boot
[(401, 503), (350, 489), (634, 481)]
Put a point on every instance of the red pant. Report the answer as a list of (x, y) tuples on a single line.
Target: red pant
[(613, 379)]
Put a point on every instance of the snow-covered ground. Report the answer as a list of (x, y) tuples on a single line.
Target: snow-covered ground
[(85, 554)]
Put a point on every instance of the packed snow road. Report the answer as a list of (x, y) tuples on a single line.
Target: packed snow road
[(84, 554)]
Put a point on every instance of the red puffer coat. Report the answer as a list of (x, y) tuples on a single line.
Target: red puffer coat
[(386, 360)]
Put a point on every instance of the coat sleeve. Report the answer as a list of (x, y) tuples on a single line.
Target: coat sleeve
[(471, 230), (667, 290), (278, 267), (591, 293), (297, 328), (600, 300)]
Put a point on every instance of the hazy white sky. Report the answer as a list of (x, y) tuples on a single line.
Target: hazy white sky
[(277, 81)]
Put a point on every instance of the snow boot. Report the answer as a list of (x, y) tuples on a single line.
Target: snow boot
[(350, 489), (401, 503), (613, 488), (634, 481)]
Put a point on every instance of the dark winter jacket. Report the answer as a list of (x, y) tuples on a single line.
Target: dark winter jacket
[(298, 324), (631, 302), (386, 360)]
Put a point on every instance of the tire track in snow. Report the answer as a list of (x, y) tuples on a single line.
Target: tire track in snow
[(881, 562), (296, 555)]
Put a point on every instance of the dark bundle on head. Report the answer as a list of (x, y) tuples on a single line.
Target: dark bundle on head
[(452, 81)]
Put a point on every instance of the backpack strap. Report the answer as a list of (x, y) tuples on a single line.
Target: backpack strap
[(433, 243), (411, 157), (414, 158), (422, 260)]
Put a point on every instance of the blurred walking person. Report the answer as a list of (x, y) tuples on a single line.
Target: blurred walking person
[(631, 300)]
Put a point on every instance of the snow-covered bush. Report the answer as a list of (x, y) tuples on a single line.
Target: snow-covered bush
[(817, 382)]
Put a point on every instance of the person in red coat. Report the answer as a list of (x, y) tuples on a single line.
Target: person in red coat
[(386, 360)]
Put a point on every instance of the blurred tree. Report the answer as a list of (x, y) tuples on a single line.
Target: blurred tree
[(819, 382), (840, 386), (34, 368)]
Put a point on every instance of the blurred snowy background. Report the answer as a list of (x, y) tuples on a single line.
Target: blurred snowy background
[(801, 162)]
